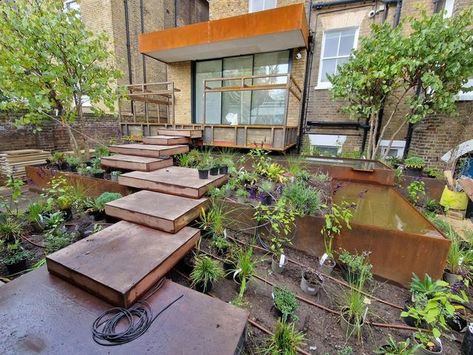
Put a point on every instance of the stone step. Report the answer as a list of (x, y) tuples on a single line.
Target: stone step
[(165, 212), (134, 162), (191, 133), (43, 314), (166, 140), (120, 263), (148, 150), (173, 180)]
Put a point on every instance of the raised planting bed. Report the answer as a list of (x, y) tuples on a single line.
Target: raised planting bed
[(433, 187), (39, 177)]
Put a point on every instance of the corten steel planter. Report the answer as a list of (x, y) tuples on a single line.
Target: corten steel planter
[(39, 177)]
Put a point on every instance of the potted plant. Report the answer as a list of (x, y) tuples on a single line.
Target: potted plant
[(97, 173), (203, 168), (206, 272), (213, 165), (241, 195), (114, 175), (414, 166), (334, 222), (35, 215), (225, 163), (278, 260), (416, 191), (285, 340), (11, 229), (353, 312), (85, 170), (64, 203), (455, 257), (285, 303), (403, 347), (245, 268), (212, 221), (97, 205), (355, 267), (428, 344), (58, 161), (14, 256), (221, 245), (311, 282), (72, 162), (266, 189), (433, 173)]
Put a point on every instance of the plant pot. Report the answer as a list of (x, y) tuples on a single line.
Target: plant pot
[(228, 267), (221, 252), (451, 278), (279, 314), (457, 323), (199, 286), (266, 199), (67, 214), (411, 321), (214, 171), (16, 267), (98, 175), (223, 170), (203, 174), (422, 350), (413, 171), (467, 344), (328, 266), (38, 227), (276, 267), (99, 215), (311, 282), (349, 328)]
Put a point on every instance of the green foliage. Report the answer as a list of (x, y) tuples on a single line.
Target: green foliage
[(213, 220), (13, 253), (285, 301), (56, 239), (346, 350), (357, 266), (242, 193), (425, 340), (455, 258), (334, 222), (98, 204), (426, 288), (244, 269), (35, 211), (49, 61), (433, 172), (206, 271), (392, 63), (63, 195), (11, 228), (416, 190), (101, 151), (414, 162), (432, 205), (354, 309), (11, 205), (303, 199), (285, 340), (72, 160), (220, 243), (403, 347)]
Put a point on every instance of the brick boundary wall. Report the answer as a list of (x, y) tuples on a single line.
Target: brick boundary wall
[(53, 136)]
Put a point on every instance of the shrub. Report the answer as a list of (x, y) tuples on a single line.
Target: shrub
[(414, 163), (98, 204), (13, 253), (302, 198), (357, 267), (206, 271), (285, 301)]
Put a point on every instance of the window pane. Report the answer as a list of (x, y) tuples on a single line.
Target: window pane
[(270, 64), (328, 67), (270, 4), (207, 70), (346, 44), (341, 61), (256, 5), (268, 107), (331, 44)]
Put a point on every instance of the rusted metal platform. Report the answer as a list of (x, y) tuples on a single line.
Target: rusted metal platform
[(149, 150), (120, 263), (133, 162), (165, 212), (166, 140), (190, 133), (173, 180), (42, 314)]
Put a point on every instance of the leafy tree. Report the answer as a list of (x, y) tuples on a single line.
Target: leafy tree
[(50, 63), (417, 70)]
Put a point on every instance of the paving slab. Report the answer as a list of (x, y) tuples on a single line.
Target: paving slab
[(42, 314), (133, 162), (166, 140), (149, 150), (120, 263), (174, 180), (165, 212)]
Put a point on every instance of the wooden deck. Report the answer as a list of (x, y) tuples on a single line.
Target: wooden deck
[(133, 162), (173, 180), (165, 212), (148, 150), (120, 263), (190, 133), (166, 140)]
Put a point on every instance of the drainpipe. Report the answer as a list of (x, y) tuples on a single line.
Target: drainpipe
[(128, 49), (142, 18)]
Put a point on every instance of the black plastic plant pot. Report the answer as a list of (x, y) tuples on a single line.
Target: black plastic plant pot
[(98, 175), (99, 215), (228, 267), (67, 214), (467, 344), (200, 286), (457, 323), (16, 267), (203, 174), (266, 199), (214, 171), (414, 171), (411, 321), (222, 251), (223, 170)]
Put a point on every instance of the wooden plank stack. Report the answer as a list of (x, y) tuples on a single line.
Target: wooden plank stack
[(13, 162)]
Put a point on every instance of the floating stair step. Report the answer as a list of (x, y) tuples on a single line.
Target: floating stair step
[(165, 212), (134, 162), (120, 263), (173, 180), (148, 150), (44, 314), (191, 133), (166, 140)]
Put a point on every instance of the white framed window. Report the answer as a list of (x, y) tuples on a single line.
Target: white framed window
[(396, 150), (327, 144), (72, 5), (337, 46), (260, 5), (467, 95), (86, 101), (448, 8)]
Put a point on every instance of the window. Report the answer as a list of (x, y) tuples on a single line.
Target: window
[(396, 149), (72, 5), (467, 95), (448, 8), (327, 144), (260, 5), (336, 50)]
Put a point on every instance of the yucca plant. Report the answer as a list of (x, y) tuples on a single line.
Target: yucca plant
[(205, 273), (285, 340)]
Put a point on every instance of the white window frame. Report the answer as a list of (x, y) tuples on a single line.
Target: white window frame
[(466, 96), (328, 85), (448, 7), (267, 5), (327, 140), (397, 144)]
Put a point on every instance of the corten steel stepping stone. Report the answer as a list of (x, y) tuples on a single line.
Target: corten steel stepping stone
[(191, 133), (165, 212), (40, 313), (173, 180), (166, 140), (133, 162), (120, 263), (149, 150)]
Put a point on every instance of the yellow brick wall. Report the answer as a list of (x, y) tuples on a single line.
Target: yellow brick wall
[(180, 73), (227, 8)]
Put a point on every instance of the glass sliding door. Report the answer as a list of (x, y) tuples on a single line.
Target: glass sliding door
[(208, 70)]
